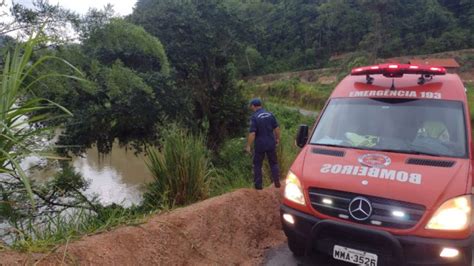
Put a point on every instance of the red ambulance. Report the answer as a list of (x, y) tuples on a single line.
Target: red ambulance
[(385, 176)]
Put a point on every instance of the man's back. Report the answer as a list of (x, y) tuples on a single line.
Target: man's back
[(263, 123), (264, 131)]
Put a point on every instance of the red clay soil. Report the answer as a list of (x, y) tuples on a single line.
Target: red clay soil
[(234, 228)]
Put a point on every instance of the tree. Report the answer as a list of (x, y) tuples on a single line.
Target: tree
[(120, 40), (123, 107), (201, 40), (251, 63), (127, 71), (51, 20), (341, 25)]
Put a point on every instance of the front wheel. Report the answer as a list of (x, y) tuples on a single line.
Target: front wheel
[(298, 248)]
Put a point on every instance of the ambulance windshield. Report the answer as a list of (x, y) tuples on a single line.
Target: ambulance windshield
[(416, 126)]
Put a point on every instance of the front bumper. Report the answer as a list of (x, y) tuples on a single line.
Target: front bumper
[(321, 236)]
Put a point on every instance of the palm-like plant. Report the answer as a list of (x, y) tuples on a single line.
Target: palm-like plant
[(21, 111)]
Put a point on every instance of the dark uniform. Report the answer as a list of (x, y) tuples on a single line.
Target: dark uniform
[(263, 123)]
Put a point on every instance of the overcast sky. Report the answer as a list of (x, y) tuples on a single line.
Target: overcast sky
[(121, 7)]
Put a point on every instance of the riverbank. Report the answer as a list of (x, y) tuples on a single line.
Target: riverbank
[(242, 225)]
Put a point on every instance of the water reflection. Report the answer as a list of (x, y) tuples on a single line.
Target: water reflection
[(116, 178)]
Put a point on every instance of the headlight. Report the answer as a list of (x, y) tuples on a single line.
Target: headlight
[(454, 214), (293, 190)]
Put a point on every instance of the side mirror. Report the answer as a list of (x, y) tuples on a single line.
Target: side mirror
[(302, 136)]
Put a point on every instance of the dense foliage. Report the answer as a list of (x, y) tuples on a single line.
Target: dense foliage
[(281, 35), (201, 39), (125, 81)]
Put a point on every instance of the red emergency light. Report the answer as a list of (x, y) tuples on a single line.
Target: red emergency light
[(398, 70)]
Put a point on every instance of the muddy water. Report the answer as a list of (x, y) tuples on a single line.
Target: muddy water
[(118, 177)]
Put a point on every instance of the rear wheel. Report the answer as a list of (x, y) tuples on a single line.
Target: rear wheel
[(298, 248)]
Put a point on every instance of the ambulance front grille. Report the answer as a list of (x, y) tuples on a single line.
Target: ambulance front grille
[(385, 212), (328, 152)]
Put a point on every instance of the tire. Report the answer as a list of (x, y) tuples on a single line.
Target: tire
[(298, 248)]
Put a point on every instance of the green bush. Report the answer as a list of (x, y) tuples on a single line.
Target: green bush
[(467, 62), (291, 92), (354, 60), (286, 150), (470, 98), (181, 169), (288, 118), (233, 167)]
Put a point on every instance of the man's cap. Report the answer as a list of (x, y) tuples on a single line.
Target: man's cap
[(256, 102)]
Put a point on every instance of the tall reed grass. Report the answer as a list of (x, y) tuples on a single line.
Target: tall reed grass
[(181, 169)]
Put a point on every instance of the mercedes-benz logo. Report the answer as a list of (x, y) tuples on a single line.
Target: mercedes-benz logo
[(360, 209)]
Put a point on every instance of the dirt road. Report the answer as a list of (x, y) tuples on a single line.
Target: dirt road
[(282, 256)]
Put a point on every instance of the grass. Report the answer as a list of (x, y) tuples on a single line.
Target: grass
[(52, 232), (470, 98), (289, 121), (291, 93), (181, 169), (233, 167)]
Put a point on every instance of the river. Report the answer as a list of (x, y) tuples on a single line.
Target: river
[(118, 177)]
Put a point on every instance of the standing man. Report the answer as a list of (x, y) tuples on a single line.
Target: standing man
[(265, 132)]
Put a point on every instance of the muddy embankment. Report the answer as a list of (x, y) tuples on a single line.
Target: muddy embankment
[(235, 228)]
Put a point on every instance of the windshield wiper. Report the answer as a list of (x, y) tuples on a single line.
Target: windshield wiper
[(408, 152), (343, 146), (422, 153), (381, 150), (332, 145)]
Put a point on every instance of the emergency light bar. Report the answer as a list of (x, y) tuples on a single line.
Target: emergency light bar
[(397, 70)]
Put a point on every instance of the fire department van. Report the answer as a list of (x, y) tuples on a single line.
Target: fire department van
[(385, 176)]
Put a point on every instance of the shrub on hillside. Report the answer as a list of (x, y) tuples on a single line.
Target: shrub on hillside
[(292, 92)]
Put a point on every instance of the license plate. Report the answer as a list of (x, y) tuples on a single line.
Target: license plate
[(354, 256)]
